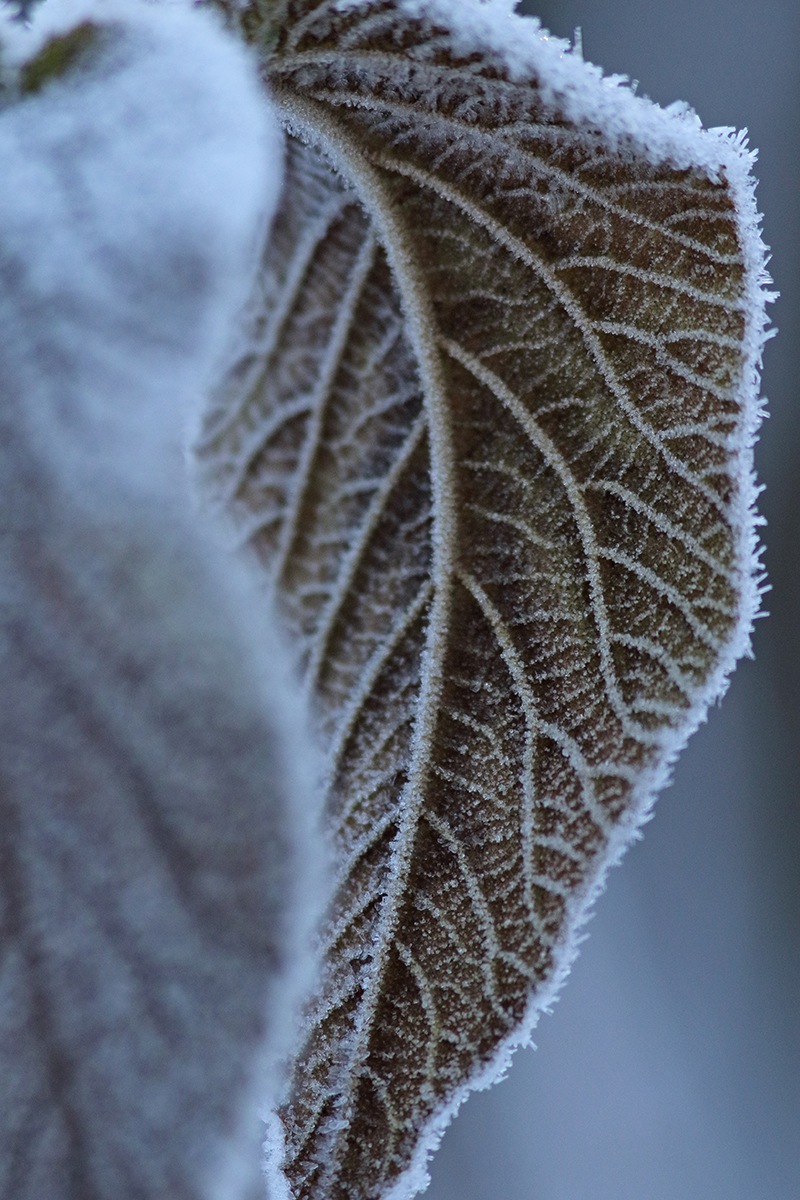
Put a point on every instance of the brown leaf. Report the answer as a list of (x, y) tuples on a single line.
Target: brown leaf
[(490, 436)]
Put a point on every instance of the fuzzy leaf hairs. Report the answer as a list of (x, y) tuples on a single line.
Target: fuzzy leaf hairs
[(157, 858), (490, 434)]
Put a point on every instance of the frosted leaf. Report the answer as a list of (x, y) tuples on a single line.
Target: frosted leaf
[(153, 845), (490, 435)]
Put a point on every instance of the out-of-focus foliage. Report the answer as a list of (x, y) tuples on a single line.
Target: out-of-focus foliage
[(152, 776)]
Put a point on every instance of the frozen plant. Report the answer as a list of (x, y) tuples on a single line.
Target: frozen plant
[(485, 429)]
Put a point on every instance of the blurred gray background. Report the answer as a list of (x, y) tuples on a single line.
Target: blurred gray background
[(670, 1068)]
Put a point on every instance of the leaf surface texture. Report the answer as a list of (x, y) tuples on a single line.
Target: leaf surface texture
[(488, 436)]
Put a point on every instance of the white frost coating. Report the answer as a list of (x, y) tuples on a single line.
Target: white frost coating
[(579, 91), (578, 88), (134, 193)]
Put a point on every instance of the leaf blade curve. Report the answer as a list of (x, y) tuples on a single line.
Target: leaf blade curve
[(581, 310)]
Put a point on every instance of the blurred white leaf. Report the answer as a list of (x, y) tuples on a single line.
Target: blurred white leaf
[(157, 864)]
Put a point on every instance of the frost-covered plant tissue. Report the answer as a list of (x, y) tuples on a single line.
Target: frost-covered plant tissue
[(485, 425), (156, 813), (490, 433)]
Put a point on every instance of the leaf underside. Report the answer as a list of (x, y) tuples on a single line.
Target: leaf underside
[(486, 438)]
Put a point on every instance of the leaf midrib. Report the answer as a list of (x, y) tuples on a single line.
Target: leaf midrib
[(343, 150)]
